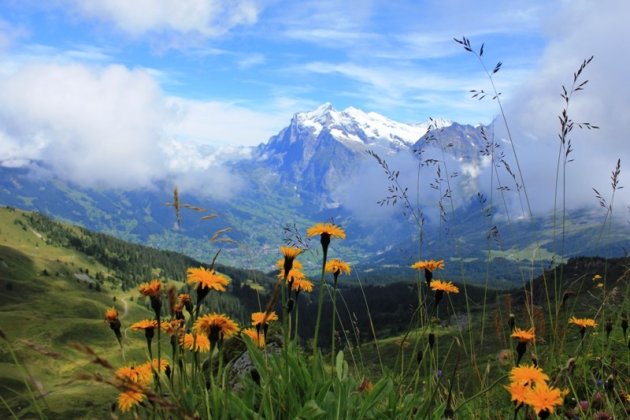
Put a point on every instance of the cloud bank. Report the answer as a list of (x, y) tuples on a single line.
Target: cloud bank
[(580, 30), (105, 127)]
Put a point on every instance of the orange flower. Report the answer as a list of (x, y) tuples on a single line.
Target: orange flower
[(524, 336), (172, 327), (215, 324), (201, 343), (289, 252), (129, 399), (543, 398), (528, 375), (111, 314), (280, 264), (337, 266), (294, 275), (302, 285), (329, 229), (430, 265), (583, 322), (258, 317), (183, 298), (134, 374), (145, 324), (207, 279), (154, 365), (150, 289), (255, 336), (518, 392), (444, 286)]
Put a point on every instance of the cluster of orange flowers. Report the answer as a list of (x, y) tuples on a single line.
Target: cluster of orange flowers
[(529, 386), (135, 380), (438, 286), (258, 332)]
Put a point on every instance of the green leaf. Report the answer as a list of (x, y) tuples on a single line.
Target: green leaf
[(341, 366), (310, 410), (378, 393)]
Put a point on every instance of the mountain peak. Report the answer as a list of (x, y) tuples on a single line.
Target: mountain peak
[(357, 127)]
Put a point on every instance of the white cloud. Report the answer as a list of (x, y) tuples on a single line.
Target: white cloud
[(206, 17), (225, 124), (86, 122), (580, 29), (114, 127)]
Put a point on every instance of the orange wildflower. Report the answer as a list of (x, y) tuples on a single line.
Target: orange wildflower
[(430, 265), (524, 336), (326, 229), (207, 279), (201, 343), (151, 288), (528, 375), (259, 317), (444, 286), (543, 398)]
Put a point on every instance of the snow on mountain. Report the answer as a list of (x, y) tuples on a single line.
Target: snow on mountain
[(355, 127)]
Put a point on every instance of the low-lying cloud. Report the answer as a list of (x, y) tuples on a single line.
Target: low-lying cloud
[(104, 127)]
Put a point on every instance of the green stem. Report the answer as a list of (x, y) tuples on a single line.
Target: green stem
[(334, 321), (320, 303)]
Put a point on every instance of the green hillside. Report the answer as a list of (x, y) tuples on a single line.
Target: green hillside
[(56, 281)]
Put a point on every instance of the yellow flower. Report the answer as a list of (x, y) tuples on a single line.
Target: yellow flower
[(280, 264), (255, 336), (329, 229), (583, 322), (150, 289), (543, 398), (129, 399), (524, 336), (111, 314), (201, 344), (430, 265), (172, 326), (183, 298), (207, 279), (154, 365), (337, 266), (258, 317), (444, 286), (302, 285), (596, 277), (214, 323), (134, 374), (294, 274), (145, 324), (289, 252), (600, 285), (528, 375), (518, 392)]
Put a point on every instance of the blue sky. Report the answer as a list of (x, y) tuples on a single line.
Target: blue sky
[(114, 79), (279, 57)]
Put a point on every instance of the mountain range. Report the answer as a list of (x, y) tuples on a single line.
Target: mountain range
[(322, 167)]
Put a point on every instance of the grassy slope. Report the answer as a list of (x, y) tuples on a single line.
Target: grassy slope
[(54, 310)]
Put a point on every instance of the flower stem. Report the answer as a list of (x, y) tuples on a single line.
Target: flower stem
[(320, 303)]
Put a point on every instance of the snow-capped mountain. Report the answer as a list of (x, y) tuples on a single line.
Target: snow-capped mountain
[(319, 148), (357, 129)]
